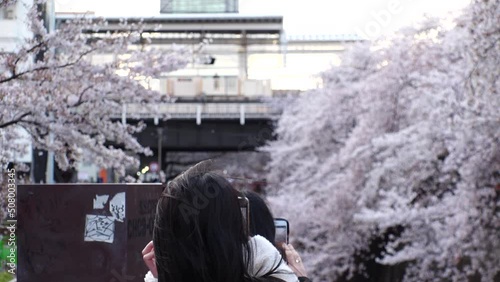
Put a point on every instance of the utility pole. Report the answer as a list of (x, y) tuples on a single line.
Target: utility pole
[(49, 23), (47, 14)]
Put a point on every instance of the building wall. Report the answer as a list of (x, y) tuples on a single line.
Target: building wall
[(13, 28)]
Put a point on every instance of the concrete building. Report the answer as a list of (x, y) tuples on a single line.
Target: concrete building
[(13, 33), (13, 29)]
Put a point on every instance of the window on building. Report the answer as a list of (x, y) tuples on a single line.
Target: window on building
[(8, 13), (199, 6)]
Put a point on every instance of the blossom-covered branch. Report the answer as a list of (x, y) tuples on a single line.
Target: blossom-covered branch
[(65, 86)]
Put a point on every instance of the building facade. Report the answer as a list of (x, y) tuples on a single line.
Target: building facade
[(13, 28)]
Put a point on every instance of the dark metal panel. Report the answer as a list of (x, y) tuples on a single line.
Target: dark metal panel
[(52, 223)]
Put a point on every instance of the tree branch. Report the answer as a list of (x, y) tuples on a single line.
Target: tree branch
[(14, 121), (80, 97), (14, 76)]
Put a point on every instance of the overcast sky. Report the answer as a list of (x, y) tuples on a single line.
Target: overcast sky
[(300, 16)]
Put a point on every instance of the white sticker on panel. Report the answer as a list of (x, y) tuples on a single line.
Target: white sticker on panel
[(100, 201), (99, 228), (117, 207)]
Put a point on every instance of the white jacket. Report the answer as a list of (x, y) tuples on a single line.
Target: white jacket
[(265, 258)]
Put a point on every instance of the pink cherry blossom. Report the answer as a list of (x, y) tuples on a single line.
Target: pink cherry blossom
[(402, 142)]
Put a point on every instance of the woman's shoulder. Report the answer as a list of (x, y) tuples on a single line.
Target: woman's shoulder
[(267, 261), (262, 244)]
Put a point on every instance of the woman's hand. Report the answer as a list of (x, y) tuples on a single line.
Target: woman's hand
[(294, 260), (148, 255)]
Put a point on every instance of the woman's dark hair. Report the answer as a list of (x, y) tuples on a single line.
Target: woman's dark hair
[(261, 218), (199, 233)]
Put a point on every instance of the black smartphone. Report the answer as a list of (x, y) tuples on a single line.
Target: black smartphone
[(282, 231), (245, 211)]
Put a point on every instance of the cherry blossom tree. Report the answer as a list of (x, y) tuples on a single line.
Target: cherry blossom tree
[(66, 88), (399, 149), (6, 3)]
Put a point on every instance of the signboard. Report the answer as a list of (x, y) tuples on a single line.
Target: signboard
[(84, 232)]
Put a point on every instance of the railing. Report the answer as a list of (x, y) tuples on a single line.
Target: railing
[(199, 111)]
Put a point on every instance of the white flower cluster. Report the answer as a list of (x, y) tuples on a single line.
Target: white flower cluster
[(400, 147)]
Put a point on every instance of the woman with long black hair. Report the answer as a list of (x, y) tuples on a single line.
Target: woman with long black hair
[(200, 235)]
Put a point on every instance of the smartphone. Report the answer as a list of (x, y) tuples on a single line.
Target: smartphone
[(282, 231), (245, 211)]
